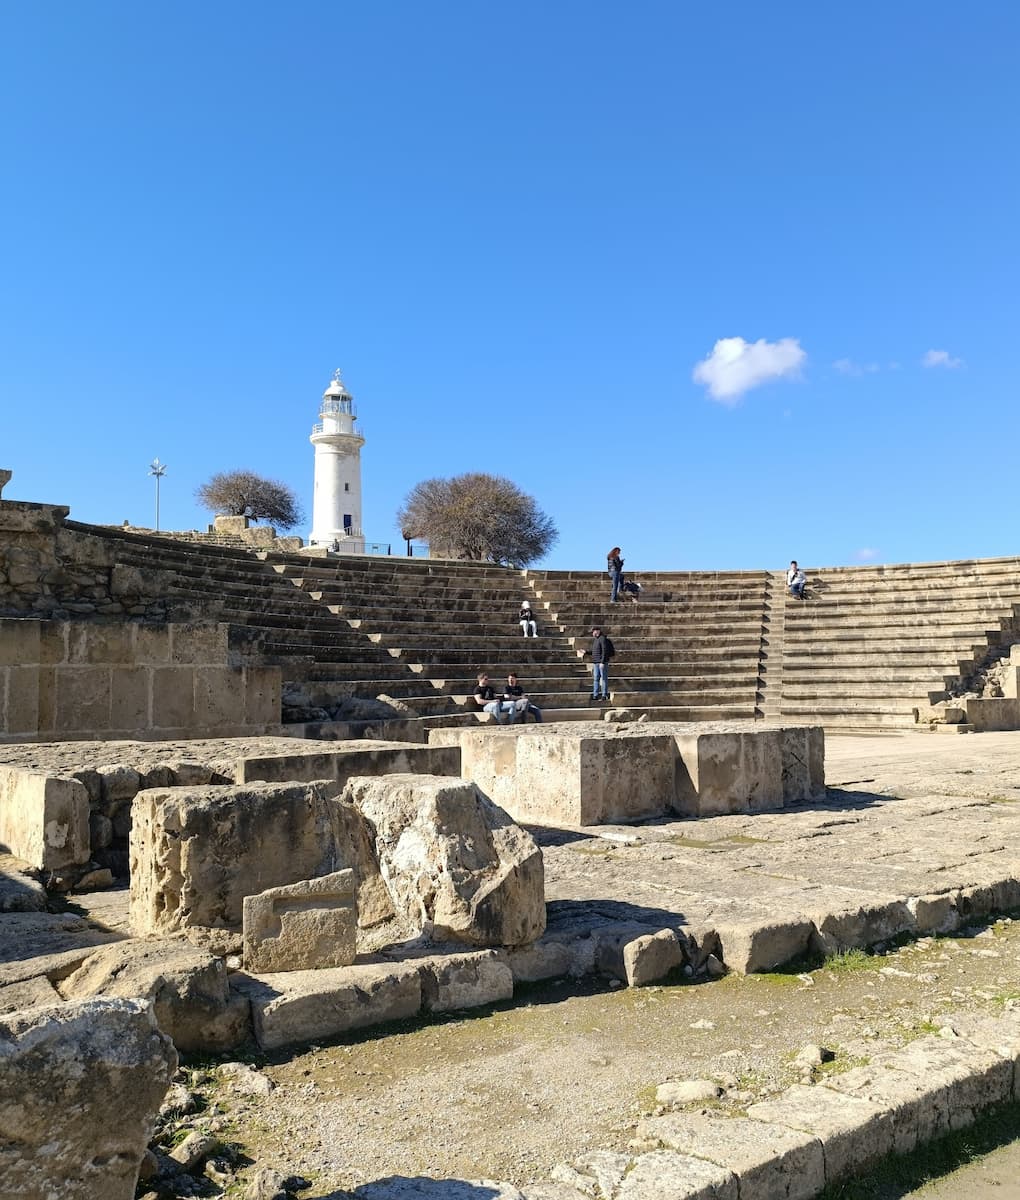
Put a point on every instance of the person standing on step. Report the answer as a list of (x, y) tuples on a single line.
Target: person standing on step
[(520, 699), (602, 650), (486, 700), (529, 626), (796, 581), (614, 565)]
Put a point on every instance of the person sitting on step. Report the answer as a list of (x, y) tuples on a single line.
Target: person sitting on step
[(527, 619), (796, 581), (485, 698), (520, 699)]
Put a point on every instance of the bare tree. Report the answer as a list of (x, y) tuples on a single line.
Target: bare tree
[(478, 516), (245, 494)]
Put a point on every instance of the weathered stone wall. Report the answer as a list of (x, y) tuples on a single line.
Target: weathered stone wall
[(112, 679), (48, 568)]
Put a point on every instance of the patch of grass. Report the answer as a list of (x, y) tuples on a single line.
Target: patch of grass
[(741, 839), (900, 1174), (689, 843), (848, 961), (1003, 800), (841, 1064), (1003, 998)]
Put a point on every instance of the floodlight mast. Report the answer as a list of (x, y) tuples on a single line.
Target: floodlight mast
[(159, 470)]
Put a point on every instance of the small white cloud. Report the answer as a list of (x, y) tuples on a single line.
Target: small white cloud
[(736, 366), (847, 366), (866, 554), (941, 358)]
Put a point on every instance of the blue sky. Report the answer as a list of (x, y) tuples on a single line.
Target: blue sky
[(722, 284)]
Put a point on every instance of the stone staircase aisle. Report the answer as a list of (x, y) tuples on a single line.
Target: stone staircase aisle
[(688, 650)]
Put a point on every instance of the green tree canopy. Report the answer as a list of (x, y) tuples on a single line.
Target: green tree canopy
[(478, 516), (245, 494)]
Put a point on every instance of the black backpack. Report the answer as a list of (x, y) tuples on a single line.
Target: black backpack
[(610, 649)]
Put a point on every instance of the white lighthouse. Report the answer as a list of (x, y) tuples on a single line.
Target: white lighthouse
[(336, 499)]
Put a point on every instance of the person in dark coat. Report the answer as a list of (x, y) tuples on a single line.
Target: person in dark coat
[(602, 650)]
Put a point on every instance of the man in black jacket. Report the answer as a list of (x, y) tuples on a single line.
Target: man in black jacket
[(602, 651)]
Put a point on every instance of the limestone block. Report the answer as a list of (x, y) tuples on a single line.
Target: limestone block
[(80, 1086), (343, 762), (173, 697), (226, 523), (975, 1077), (129, 698), (83, 699), (53, 639), (303, 926), (665, 1175), (542, 960), (29, 993), (187, 986), (729, 771), (22, 707), (934, 914), (152, 645), (219, 697), (197, 852), (802, 757), (262, 695), (99, 643), (917, 1105), (306, 1006), (751, 942), (771, 1161), (988, 715), (19, 642), (44, 820), (117, 782), (855, 926), (455, 981), (202, 643), (855, 1132), (5, 479), (20, 891), (597, 1173), (41, 943), (455, 864), (651, 957), (47, 684)]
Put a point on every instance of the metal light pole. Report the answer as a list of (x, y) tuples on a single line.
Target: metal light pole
[(159, 470)]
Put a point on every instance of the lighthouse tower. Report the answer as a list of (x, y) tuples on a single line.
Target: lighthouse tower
[(336, 499)]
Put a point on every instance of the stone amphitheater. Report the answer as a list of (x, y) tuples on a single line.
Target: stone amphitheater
[(247, 804)]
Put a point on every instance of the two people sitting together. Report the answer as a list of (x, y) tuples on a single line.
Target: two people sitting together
[(511, 705)]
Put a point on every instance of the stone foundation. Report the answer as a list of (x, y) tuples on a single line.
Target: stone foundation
[(593, 774)]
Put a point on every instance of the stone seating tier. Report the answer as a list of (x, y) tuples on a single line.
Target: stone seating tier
[(867, 646)]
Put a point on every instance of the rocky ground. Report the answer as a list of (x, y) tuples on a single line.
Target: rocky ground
[(512, 1092)]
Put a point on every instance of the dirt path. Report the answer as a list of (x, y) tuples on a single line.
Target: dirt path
[(511, 1093)]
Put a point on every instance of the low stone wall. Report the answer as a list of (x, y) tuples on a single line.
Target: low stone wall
[(593, 773), (128, 679)]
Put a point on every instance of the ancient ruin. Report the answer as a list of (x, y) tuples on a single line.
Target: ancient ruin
[(256, 776)]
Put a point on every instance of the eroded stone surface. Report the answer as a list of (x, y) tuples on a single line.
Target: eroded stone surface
[(80, 1086), (303, 926), (455, 864)]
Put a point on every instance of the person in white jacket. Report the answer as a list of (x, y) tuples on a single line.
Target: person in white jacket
[(529, 626), (796, 580)]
